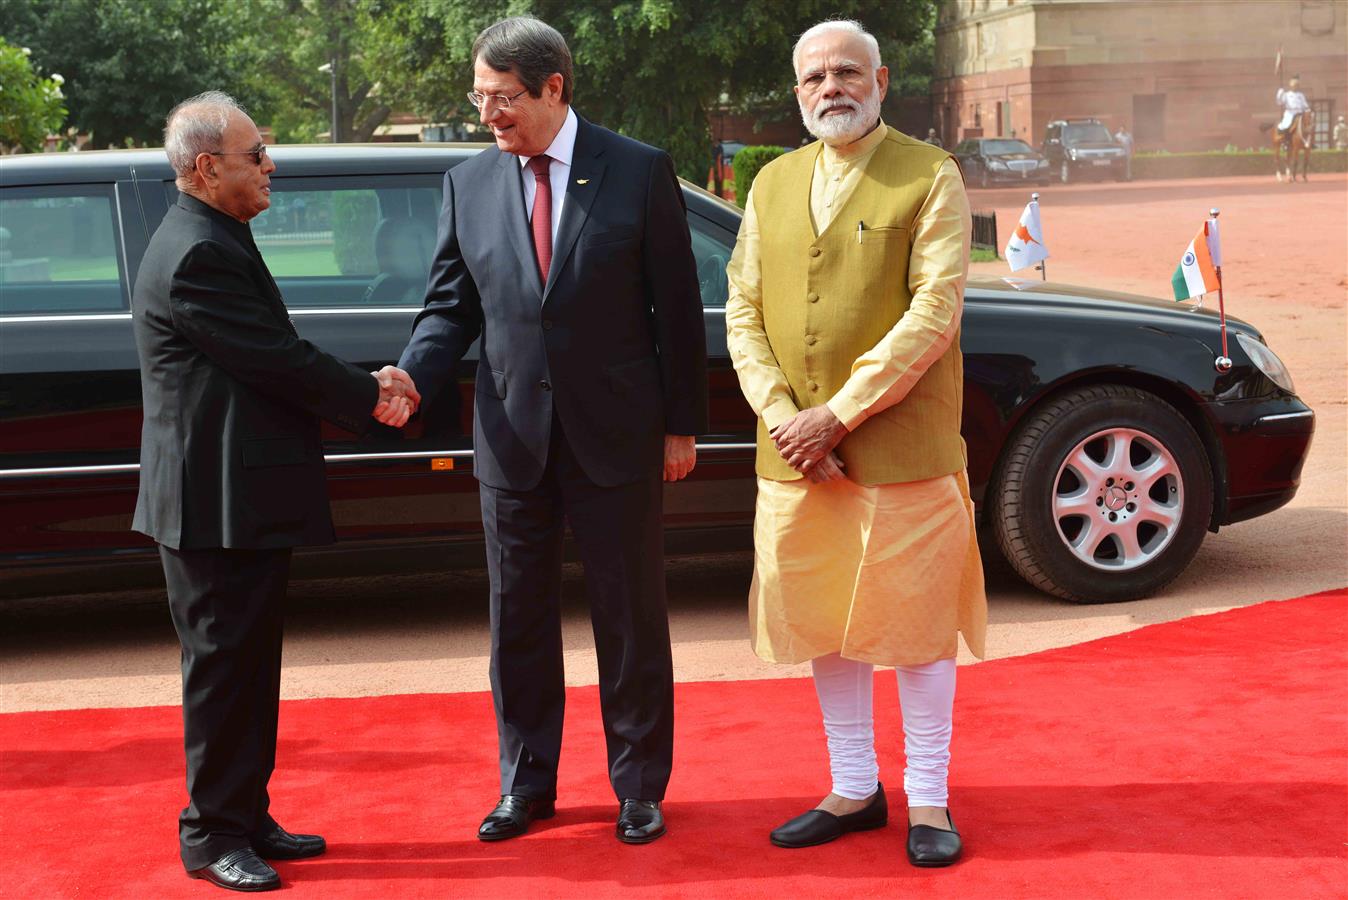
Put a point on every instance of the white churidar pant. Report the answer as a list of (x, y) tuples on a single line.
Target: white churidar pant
[(927, 698)]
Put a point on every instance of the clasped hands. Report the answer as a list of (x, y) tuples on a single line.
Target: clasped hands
[(807, 440), (398, 397)]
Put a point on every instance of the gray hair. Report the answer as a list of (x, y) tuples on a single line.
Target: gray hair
[(195, 126), (530, 48), (850, 26)]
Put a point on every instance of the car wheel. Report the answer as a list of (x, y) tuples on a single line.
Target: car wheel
[(1104, 495), (1065, 173)]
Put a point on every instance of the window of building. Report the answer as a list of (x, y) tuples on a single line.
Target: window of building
[(1149, 120), (58, 251), (1324, 122)]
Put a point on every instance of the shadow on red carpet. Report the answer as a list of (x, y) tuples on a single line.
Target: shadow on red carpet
[(1200, 757)]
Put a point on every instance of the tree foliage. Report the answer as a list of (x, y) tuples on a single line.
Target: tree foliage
[(31, 105), (127, 62), (653, 69), (314, 33)]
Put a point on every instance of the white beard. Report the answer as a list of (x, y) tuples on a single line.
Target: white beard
[(842, 129)]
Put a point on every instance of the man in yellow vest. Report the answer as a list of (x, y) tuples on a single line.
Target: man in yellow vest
[(846, 288)]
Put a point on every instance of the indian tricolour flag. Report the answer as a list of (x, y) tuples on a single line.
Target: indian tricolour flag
[(1197, 271)]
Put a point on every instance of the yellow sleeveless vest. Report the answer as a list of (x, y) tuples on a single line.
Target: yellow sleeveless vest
[(827, 299)]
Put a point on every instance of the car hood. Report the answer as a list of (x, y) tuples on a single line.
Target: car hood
[(1082, 300), (1004, 156)]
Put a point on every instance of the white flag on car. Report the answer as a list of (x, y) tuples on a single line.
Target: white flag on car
[(1026, 246)]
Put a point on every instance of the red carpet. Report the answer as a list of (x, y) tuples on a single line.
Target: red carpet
[(1201, 758)]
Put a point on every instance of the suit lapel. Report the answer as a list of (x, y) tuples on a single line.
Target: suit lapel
[(587, 176), (516, 218)]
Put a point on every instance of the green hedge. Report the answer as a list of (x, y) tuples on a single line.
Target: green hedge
[(1216, 163), (747, 163)]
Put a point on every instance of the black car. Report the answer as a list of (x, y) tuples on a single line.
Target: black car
[(1083, 148), (989, 161), (1102, 441)]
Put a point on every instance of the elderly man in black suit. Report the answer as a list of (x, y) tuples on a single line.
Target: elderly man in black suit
[(566, 248), (232, 475)]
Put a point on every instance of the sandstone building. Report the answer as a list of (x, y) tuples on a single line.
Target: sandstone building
[(1180, 74)]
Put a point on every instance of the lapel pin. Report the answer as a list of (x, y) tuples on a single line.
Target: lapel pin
[(582, 181)]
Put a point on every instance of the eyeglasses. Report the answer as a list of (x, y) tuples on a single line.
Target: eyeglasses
[(258, 153), (479, 99)]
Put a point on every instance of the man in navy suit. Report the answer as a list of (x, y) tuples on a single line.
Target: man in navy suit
[(566, 249)]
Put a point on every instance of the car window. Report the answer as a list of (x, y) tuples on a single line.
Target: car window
[(998, 147), (711, 251), (346, 242), (58, 251), (1093, 133)]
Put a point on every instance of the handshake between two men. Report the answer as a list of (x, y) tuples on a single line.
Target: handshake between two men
[(398, 397)]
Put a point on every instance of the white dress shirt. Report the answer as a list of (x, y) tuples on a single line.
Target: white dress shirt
[(561, 150)]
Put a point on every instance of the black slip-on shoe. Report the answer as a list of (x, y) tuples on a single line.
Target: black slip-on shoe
[(640, 821), (512, 816), (932, 848), (818, 827), (239, 870), (281, 844)]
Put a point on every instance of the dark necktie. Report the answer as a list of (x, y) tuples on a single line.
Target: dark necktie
[(542, 215)]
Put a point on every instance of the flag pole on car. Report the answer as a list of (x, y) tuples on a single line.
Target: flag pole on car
[(1215, 248), (1200, 272)]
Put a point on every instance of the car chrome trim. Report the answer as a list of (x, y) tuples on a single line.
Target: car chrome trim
[(69, 317), (1283, 417), (113, 317), (123, 468)]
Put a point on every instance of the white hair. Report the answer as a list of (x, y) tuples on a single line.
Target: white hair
[(195, 126), (850, 26)]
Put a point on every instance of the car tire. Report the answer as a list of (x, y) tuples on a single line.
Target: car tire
[(1069, 507)]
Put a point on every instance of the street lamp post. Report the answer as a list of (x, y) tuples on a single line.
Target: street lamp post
[(331, 69)]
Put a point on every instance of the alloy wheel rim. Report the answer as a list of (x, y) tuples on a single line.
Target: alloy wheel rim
[(1118, 499)]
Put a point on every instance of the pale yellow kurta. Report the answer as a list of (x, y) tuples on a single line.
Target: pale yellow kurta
[(887, 574)]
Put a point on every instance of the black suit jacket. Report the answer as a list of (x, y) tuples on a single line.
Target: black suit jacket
[(230, 451), (613, 343)]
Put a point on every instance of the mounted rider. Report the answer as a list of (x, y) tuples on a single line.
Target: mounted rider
[(1293, 103)]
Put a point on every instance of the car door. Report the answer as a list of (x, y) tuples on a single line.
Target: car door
[(69, 382)]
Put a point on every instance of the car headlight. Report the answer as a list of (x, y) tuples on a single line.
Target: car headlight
[(1071, 154), (996, 164), (1266, 361), (1042, 164)]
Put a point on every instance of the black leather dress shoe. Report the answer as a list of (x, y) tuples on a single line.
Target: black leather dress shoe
[(818, 827), (640, 821), (512, 816), (240, 870), (281, 844), (932, 848)]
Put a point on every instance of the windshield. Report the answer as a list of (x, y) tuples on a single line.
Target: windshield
[(1092, 133), (1001, 148)]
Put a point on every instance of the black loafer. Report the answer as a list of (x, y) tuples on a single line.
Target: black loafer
[(240, 870), (640, 821), (932, 848), (818, 827), (512, 816), (281, 844)]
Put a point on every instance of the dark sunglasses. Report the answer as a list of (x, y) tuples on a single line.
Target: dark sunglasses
[(258, 153)]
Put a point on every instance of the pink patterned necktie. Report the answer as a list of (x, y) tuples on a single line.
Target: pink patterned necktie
[(542, 214)]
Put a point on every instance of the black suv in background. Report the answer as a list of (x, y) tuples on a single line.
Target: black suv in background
[(1084, 148)]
